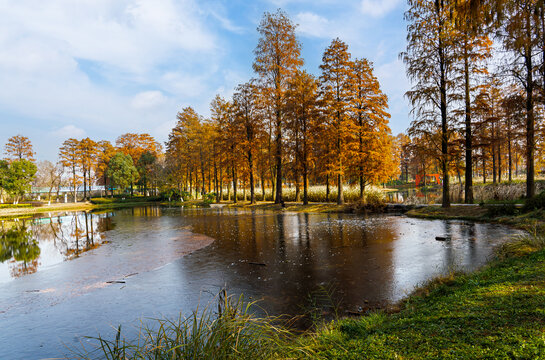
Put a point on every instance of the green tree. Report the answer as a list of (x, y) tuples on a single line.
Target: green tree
[(121, 171), (145, 168), (4, 171), (20, 176)]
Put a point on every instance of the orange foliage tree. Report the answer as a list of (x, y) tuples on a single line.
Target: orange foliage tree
[(336, 91), (277, 57), (19, 147), (368, 108), (69, 156)]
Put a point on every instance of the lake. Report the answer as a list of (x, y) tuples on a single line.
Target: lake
[(70, 275)]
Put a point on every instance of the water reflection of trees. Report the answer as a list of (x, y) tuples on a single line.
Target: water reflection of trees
[(18, 246), (21, 242), (301, 253), (76, 233)]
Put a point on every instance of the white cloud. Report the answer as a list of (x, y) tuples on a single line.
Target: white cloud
[(68, 131), (132, 35), (378, 8), (64, 63), (148, 99), (311, 24)]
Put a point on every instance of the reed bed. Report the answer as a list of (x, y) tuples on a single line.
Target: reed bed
[(316, 193), (231, 332), (483, 193)]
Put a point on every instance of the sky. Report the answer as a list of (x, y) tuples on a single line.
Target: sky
[(101, 68)]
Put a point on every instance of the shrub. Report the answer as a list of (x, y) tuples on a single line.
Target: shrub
[(127, 199), (537, 202), (523, 245), (15, 206), (99, 201), (209, 198), (502, 210)]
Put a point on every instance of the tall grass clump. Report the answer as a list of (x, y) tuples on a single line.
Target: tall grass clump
[(232, 332), (522, 245), (484, 193), (316, 193)]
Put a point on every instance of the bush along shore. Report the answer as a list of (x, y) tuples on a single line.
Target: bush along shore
[(497, 312)]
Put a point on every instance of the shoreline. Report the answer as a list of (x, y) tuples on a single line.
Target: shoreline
[(80, 206), (266, 206), (531, 221)]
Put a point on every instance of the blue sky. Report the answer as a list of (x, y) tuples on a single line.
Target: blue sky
[(100, 68)]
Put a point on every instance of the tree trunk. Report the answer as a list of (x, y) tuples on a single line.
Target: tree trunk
[(444, 126), (530, 144), (484, 170), (234, 184), (362, 186), (305, 176), (468, 196), (510, 164), (327, 188), (75, 185), (216, 184), (263, 185), (340, 195), (493, 164), (499, 162), (84, 184), (252, 185), (278, 198)]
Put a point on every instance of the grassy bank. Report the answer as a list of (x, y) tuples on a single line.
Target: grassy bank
[(265, 206), (496, 313)]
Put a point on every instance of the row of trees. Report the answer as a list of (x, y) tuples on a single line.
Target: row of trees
[(134, 160), (475, 105), (130, 162), (287, 126)]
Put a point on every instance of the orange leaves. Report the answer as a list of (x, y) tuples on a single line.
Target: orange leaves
[(135, 145), (336, 93), (19, 148), (68, 153)]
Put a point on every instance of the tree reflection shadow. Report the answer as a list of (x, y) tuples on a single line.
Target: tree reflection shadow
[(18, 246)]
